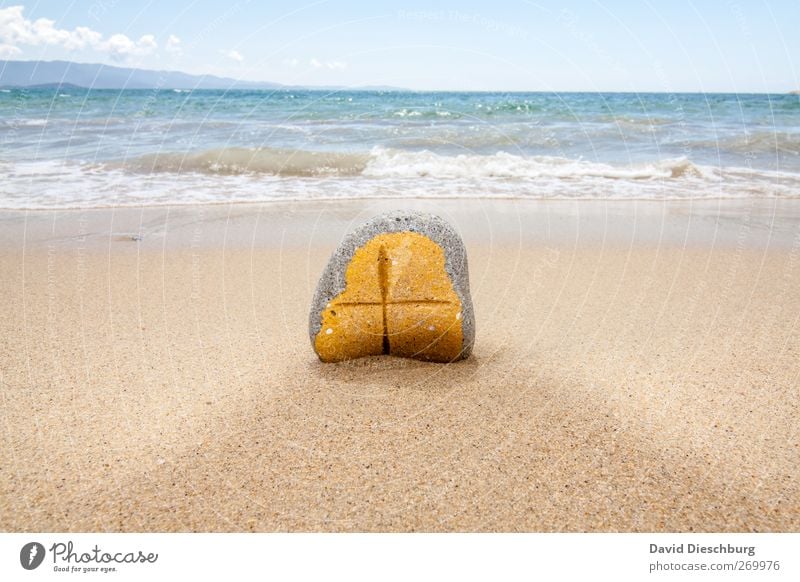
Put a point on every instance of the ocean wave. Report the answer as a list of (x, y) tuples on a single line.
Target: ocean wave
[(511, 109), (242, 176), (630, 121), (34, 122), (392, 163), (233, 161), (427, 113), (769, 141), (508, 107), (396, 163)]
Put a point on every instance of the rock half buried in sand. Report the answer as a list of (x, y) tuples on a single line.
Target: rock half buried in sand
[(398, 285)]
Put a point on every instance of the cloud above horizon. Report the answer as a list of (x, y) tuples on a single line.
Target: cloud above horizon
[(174, 45), (332, 65), (17, 31), (234, 55)]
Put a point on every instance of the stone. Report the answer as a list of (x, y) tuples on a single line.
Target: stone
[(397, 285)]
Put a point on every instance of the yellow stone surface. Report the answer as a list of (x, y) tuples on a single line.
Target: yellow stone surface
[(398, 299)]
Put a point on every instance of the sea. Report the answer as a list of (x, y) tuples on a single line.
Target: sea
[(76, 148)]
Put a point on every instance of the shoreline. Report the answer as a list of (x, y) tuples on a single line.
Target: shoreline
[(433, 199), (635, 369), (749, 223)]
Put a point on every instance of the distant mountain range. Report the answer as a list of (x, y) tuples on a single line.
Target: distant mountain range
[(65, 74)]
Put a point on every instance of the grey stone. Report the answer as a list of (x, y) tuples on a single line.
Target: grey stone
[(332, 281)]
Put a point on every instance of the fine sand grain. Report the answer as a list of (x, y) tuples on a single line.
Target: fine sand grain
[(636, 368)]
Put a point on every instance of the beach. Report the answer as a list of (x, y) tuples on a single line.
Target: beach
[(636, 368)]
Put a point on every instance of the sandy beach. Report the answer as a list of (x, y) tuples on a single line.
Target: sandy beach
[(636, 368)]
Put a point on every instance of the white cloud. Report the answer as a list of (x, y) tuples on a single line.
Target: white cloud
[(119, 46), (17, 31), (147, 43), (8, 51), (291, 62), (234, 56), (82, 37), (332, 65), (174, 45)]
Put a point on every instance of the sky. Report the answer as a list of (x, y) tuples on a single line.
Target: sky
[(674, 46)]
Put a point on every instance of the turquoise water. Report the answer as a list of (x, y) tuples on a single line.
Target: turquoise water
[(79, 148)]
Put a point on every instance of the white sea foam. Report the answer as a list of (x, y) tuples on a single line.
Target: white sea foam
[(34, 122), (395, 163), (240, 175), (391, 163)]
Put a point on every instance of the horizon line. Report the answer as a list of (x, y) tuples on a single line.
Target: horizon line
[(334, 88)]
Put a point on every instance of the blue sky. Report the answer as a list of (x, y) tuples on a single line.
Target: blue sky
[(724, 45)]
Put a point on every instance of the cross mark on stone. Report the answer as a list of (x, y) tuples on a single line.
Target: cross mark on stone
[(383, 282)]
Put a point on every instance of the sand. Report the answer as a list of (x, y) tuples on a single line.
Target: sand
[(636, 368)]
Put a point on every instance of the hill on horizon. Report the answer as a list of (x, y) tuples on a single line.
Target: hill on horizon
[(52, 74)]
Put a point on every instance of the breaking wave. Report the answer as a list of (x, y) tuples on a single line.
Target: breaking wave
[(390, 163), (232, 161), (240, 175), (394, 163), (756, 142)]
